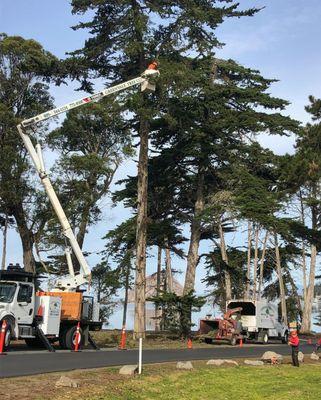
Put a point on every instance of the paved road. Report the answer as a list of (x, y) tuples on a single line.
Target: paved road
[(30, 363)]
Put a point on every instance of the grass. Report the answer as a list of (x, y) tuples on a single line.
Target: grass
[(165, 382)]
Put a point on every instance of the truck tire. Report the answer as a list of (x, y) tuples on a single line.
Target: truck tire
[(285, 338), (8, 333), (233, 341), (70, 338), (263, 337), (62, 338)]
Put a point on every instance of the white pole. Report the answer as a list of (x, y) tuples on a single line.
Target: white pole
[(140, 359)]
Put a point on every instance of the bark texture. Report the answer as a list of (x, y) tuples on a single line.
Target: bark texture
[(141, 231), (192, 257), (248, 274), (227, 276), (281, 282)]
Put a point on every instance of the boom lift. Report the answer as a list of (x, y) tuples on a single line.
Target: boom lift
[(59, 311)]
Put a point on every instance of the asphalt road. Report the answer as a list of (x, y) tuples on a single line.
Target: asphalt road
[(36, 362)]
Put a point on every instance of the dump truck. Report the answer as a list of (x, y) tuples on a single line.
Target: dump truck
[(260, 320), (38, 317), (228, 328)]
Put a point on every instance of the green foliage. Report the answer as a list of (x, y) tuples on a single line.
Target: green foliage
[(176, 311)]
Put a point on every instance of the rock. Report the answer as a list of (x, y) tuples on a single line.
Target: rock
[(184, 365), (314, 356), (219, 362), (272, 357), (65, 381), (231, 362), (253, 362), (128, 370), (301, 357)]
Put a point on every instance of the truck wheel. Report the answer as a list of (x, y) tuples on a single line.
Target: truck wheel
[(285, 338), (71, 338), (8, 334), (62, 338), (263, 337), (233, 341)]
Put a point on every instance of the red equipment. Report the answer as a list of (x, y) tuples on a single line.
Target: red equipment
[(226, 328)]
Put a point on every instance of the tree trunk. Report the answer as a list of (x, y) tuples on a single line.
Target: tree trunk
[(192, 257), (304, 267), (307, 311), (280, 278), (256, 260), (227, 276), (126, 294), (248, 274), (141, 231), (158, 286), (26, 237), (262, 263), (169, 275), (4, 244)]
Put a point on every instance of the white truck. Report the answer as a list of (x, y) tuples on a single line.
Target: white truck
[(45, 317), (260, 320)]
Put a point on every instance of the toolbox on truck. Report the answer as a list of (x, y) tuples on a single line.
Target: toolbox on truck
[(71, 304)]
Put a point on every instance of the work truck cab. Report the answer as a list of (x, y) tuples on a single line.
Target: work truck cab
[(42, 318)]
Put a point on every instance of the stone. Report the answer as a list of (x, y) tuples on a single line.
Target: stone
[(272, 357), (220, 362), (128, 370), (65, 381), (301, 357), (184, 365), (255, 363), (314, 357)]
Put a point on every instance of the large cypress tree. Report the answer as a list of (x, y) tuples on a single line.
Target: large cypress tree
[(124, 36)]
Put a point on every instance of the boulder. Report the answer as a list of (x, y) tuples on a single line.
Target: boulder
[(314, 357), (272, 357), (255, 363), (128, 370), (219, 362), (301, 357), (184, 365), (65, 381)]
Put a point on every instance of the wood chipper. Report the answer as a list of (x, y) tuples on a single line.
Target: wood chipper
[(228, 328)]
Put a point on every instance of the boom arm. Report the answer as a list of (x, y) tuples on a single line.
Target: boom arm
[(73, 281)]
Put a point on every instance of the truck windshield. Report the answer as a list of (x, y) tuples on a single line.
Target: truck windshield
[(7, 291)]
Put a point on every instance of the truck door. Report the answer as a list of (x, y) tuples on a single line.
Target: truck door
[(25, 304)]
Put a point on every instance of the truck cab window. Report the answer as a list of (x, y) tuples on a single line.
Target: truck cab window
[(7, 291), (25, 293)]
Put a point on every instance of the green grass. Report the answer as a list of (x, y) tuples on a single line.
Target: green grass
[(242, 383)]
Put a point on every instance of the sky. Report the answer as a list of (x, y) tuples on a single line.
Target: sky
[(282, 41)]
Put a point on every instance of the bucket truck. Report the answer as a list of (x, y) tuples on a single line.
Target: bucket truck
[(41, 318)]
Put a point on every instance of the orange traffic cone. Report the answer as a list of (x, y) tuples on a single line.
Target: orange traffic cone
[(77, 338), (122, 344), (189, 343), (241, 342), (3, 336)]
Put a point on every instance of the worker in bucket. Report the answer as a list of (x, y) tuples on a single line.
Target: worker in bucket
[(294, 343)]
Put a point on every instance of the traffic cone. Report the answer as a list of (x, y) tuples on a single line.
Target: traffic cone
[(122, 344), (189, 343), (3, 336), (241, 342), (77, 338)]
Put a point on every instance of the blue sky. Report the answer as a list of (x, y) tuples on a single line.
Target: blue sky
[(282, 41)]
